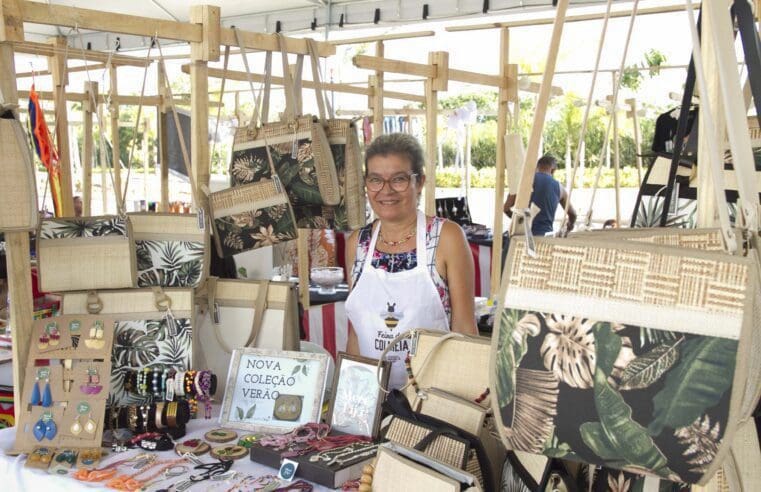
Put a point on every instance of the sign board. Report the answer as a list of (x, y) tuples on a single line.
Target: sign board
[(273, 391)]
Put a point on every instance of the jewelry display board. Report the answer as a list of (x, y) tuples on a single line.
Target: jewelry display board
[(67, 383)]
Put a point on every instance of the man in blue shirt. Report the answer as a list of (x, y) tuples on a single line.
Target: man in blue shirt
[(547, 195)]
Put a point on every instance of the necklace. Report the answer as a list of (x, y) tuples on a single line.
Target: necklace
[(395, 243)]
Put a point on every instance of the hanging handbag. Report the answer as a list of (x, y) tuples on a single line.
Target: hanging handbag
[(172, 250), (244, 313), (350, 213), (154, 328), (298, 145), (82, 253), (627, 354), (18, 190)]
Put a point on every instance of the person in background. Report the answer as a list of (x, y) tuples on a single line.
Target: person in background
[(78, 206), (547, 195), (407, 270)]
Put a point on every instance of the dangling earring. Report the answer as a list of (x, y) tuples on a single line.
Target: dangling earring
[(76, 427), (36, 398), (96, 337), (90, 426), (39, 430), (47, 396), (74, 332), (52, 430)]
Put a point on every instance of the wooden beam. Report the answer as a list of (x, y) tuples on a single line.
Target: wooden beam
[(616, 153), (431, 116), (103, 156), (208, 16), (78, 68), (308, 84), (99, 20), (60, 80), (302, 256), (384, 37), (115, 143), (163, 137), (523, 198), (632, 102), (505, 96), (41, 49), (422, 70), (378, 87), (17, 250), (199, 129), (87, 147), (268, 42), (663, 9), (13, 24)]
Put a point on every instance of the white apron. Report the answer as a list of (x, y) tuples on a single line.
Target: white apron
[(383, 305)]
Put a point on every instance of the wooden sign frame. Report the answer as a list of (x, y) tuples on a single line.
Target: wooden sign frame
[(257, 377)]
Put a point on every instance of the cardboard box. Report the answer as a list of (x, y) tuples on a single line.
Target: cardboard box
[(319, 473)]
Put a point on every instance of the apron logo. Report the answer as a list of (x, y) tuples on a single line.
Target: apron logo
[(390, 316)]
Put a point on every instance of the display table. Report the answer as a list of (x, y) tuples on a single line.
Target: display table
[(17, 477)]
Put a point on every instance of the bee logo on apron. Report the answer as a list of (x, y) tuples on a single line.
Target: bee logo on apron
[(390, 316)]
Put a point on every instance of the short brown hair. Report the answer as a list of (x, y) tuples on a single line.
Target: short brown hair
[(401, 144)]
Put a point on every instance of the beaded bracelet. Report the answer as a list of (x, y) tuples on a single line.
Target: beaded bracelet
[(203, 387), (155, 383), (164, 375)]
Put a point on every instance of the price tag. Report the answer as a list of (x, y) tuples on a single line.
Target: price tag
[(287, 470)]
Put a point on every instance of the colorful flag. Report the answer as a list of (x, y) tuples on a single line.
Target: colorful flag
[(45, 148)]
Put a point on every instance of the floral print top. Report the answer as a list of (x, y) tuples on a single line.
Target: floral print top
[(398, 262)]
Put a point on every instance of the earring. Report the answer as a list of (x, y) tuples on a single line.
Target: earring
[(42, 343), (76, 427), (47, 396), (39, 430), (36, 398), (96, 341), (92, 387), (55, 336), (74, 326), (51, 430), (90, 426)]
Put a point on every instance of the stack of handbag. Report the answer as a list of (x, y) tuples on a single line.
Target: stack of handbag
[(298, 172), (444, 413), (638, 351)]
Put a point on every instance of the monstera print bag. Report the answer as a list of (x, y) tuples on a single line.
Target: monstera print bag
[(630, 354), (154, 328), (172, 250), (299, 148)]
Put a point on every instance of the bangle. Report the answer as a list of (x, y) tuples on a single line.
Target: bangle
[(144, 411), (179, 386), (171, 414), (157, 415), (132, 419)]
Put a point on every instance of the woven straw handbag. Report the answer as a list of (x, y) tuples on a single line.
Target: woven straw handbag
[(251, 216), (244, 313), (154, 328), (351, 212), (18, 192), (401, 469), (83, 253), (172, 250), (298, 145)]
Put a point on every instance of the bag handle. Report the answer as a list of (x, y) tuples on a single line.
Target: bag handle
[(94, 304), (290, 112), (318, 92), (180, 135), (259, 309), (260, 108), (260, 305), (412, 334), (715, 159)]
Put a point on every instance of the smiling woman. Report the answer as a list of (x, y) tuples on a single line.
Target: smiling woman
[(408, 270)]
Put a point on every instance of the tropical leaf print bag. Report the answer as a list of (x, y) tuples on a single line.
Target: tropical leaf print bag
[(172, 250), (629, 354), (298, 146), (81, 253), (154, 328)]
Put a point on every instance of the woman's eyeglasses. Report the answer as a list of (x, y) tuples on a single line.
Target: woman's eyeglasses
[(398, 183)]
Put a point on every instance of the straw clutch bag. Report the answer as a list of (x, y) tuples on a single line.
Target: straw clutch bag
[(448, 448), (85, 253), (18, 193)]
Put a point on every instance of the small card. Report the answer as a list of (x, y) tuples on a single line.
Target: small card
[(287, 470)]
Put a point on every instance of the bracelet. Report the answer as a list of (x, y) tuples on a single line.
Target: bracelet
[(155, 383), (132, 419), (139, 382), (144, 411), (164, 375), (179, 382), (203, 385), (171, 414), (157, 415)]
